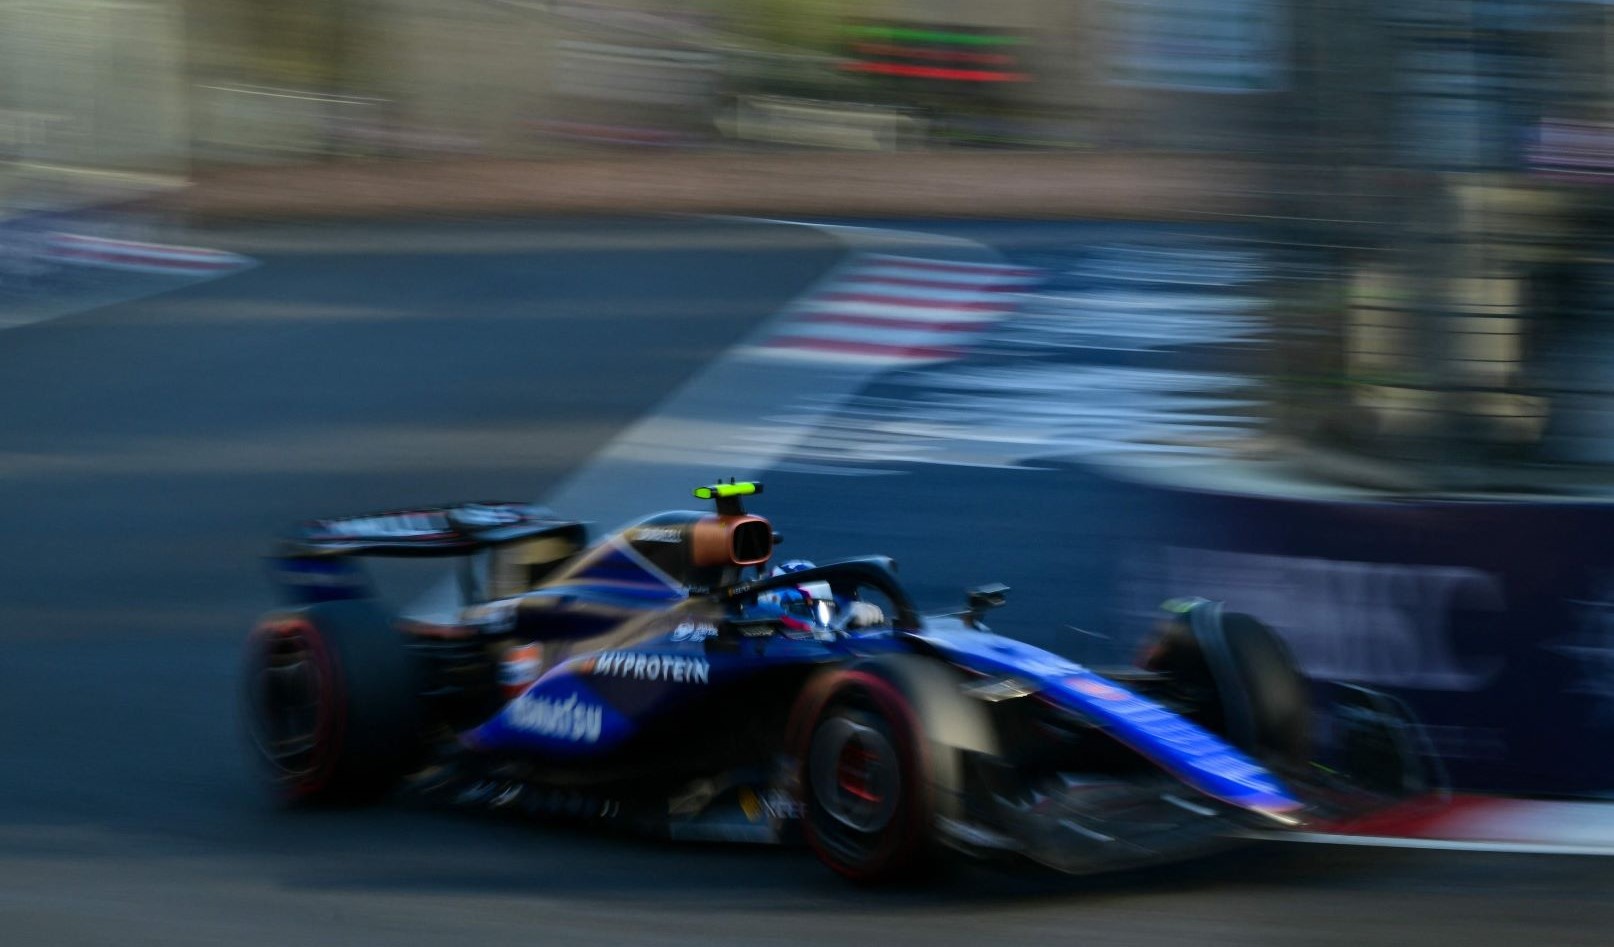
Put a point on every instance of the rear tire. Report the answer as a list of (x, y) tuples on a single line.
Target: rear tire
[(332, 705)]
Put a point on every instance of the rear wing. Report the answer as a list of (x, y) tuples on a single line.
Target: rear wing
[(313, 563), (456, 530)]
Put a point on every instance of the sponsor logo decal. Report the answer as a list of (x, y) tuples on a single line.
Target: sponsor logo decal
[(750, 804), (478, 514), (639, 666), (693, 631), (569, 719), (773, 804), (1097, 689), (780, 805), (658, 534), (396, 525), (519, 668)]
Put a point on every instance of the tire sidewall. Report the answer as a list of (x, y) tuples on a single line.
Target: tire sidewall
[(295, 786), (1278, 694), (899, 847), (1258, 680), (368, 717)]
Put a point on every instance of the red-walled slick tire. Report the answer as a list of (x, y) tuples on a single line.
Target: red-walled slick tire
[(331, 701), (880, 751)]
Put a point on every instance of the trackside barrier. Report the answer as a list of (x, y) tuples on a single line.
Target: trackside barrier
[(1486, 823), (1494, 621)]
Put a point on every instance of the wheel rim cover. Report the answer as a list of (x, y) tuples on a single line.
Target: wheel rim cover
[(855, 774)]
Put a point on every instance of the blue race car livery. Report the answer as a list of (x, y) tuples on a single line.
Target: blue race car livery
[(663, 678)]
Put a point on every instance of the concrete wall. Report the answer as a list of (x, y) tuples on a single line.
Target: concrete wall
[(94, 83)]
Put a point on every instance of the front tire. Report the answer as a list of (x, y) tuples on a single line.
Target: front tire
[(1238, 679), (332, 704), (881, 748)]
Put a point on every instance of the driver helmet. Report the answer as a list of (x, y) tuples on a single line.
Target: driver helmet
[(793, 565), (812, 600)]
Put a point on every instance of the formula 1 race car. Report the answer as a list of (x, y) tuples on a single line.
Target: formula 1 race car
[(665, 678)]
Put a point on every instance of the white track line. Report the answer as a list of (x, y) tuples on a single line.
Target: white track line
[(613, 485), (81, 250), (1441, 845)]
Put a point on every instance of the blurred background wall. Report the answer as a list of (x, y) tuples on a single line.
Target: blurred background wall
[(153, 83), (1434, 170), (94, 83), (121, 82)]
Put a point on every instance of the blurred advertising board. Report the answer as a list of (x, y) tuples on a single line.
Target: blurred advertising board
[(1233, 46), (1493, 620)]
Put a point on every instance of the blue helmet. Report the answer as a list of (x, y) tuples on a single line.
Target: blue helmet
[(811, 601), (793, 565)]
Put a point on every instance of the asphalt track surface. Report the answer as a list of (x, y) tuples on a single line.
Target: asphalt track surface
[(149, 448)]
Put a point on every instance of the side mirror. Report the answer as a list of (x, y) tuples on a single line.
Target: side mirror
[(982, 599)]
